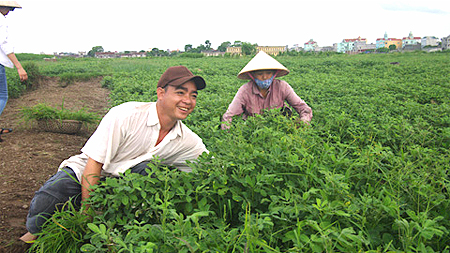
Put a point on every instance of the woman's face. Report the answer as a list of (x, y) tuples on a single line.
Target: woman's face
[(263, 74)]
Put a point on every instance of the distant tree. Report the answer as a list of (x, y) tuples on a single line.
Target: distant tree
[(156, 52), (289, 53), (223, 46), (187, 48), (392, 47), (382, 50), (208, 45), (174, 53), (248, 48), (237, 43), (95, 50), (199, 49)]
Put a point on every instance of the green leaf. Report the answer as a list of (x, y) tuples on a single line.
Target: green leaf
[(94, 228), (124, 200)]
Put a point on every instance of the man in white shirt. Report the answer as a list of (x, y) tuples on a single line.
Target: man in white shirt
[(130, 134)]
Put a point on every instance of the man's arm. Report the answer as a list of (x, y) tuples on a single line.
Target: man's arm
[(90, 177)]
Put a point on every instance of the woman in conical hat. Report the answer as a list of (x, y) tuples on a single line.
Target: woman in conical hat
[(263, 91), (7, 57)]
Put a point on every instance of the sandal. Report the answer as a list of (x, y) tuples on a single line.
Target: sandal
[(5, 130)]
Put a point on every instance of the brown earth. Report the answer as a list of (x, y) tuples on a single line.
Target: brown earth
[(29, 156)]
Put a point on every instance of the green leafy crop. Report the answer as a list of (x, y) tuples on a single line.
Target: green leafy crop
[(369, 174)]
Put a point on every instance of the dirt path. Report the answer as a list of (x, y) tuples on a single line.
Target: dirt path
[(29, 157)]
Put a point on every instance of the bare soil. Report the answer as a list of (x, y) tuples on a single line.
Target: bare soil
[(29, 156)]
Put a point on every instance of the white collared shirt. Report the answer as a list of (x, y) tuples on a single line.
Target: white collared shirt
[(5, 46), (127, 136)]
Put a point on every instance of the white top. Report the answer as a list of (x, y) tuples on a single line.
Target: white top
[(127, 136), (5, 47)]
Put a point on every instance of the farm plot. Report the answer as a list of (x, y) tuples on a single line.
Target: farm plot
[(369, 174)]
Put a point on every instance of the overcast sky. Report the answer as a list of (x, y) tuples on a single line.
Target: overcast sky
[(132, 25)]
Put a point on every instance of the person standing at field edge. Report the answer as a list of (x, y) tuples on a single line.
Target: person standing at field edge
[(127, 138), (7, 58), (263, 91)]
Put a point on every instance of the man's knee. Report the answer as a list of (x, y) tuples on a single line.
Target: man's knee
[(54, 193), (42, 206)]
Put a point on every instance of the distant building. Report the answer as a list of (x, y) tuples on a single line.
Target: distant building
[(271, 50), (327, 49), (410, 48), (310, 45), (105, 55), (386, 42), (380, 41), (213, 53), (429, 41), (410, 40), (445, 43), (296, 47), (396, 42), (108, 55), (234, 50), (170, 51), (361, 47), (348, 45), (335, 46), (132, 54)]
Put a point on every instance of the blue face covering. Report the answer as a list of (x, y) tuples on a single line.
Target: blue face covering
[(264, 84)]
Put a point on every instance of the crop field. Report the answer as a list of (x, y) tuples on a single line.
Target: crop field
[(370, 174)]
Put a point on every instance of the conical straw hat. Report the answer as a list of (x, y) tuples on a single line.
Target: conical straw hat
[(260, 62), (12, 4)]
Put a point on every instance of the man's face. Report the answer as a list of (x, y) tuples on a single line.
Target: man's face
[(178, 102)]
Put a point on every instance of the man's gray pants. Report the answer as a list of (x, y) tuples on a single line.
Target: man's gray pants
[(60, 188)]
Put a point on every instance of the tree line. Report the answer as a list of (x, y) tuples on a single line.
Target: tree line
[(247, 49)]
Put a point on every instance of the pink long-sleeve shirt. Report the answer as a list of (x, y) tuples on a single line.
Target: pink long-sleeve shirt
[(248, 101)]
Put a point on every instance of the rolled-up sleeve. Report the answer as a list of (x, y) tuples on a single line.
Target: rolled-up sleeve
[(110, 133)]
